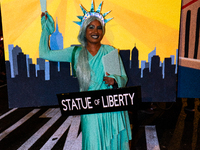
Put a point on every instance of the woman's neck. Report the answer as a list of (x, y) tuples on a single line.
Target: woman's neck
[(93, 48)]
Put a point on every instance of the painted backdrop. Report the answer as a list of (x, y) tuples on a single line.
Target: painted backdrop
[(145, 31)]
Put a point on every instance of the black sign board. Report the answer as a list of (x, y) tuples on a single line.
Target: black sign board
[(99, 101)]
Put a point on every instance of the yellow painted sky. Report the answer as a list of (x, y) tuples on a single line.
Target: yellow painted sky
[(143, 23)]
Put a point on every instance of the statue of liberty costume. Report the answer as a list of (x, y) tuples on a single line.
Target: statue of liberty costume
[(100, 131)]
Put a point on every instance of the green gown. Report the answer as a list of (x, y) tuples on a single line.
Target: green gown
[(100, 131)]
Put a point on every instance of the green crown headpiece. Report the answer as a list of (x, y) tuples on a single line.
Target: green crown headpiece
[(92, 12)]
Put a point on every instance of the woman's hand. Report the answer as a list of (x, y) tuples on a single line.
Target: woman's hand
[(44, 14), (108, 80)]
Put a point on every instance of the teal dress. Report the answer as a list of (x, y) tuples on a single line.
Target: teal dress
[(100, 131)]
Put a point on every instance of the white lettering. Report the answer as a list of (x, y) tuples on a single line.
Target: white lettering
[(68, 103), (74, 104), (131, 98), (88, 102), (126, 98), (108, 101), (65, 109), (84, 107), (111, 100), (78, 99), (115, 100), (104, 106), (121, 99)]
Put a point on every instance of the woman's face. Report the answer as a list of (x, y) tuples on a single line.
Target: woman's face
[(94, 32)]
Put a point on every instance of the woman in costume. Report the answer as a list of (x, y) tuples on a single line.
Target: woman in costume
[(100, 131)]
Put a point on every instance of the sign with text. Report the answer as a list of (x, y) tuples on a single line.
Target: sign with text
[(99, 101)]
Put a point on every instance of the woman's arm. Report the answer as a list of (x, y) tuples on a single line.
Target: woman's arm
[(63, 55)]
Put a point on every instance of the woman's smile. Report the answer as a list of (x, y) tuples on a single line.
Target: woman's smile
[(95, 36)]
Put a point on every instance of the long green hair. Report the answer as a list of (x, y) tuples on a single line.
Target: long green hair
[(83, 68)]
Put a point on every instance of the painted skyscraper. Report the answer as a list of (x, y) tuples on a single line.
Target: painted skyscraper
[(56, 41)]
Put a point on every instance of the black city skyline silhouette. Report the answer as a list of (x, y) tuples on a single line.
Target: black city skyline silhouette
[(28, 90)]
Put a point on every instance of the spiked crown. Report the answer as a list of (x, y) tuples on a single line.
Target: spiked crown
[(92, 12)]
